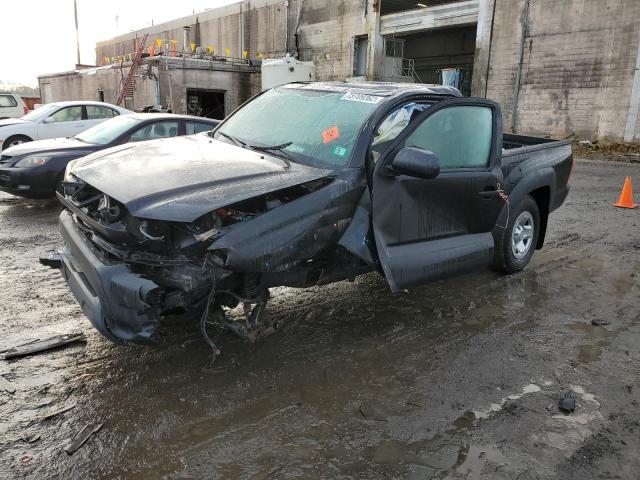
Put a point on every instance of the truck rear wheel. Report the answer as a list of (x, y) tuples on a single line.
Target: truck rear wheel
[(514, 249)]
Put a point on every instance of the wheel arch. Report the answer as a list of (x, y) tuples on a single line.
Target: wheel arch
[(7, 140), (542, 196)]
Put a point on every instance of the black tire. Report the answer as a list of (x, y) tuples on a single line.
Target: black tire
[(507, 257), (15, 138)]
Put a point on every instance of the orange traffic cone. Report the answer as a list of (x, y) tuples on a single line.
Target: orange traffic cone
[(626, 196)]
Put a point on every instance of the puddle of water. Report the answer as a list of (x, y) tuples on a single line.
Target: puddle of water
[(588, 353), (389, 451), (579, 419), (593, 330), (472, 459), (464, 421), (496, 407)]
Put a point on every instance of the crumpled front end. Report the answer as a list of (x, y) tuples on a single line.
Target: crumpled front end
[(129, 274)]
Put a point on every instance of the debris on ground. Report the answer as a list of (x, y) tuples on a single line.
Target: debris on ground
[(587, 144), (600, 322), (82, 437), (568, 402), (52, 261), (33, 438), (56, 413), (26, 458), (6, 385), (622, 151), (42, 345)]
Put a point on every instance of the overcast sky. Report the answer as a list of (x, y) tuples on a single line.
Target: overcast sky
[(38, 36)]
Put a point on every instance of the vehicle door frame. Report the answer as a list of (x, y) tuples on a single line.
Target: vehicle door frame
[(496, 135), (42, 124), (199, 120), (96, 121), (126, 137), (458, 250)]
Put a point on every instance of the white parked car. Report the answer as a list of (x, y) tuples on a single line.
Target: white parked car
[(12, 106), (60, 119)]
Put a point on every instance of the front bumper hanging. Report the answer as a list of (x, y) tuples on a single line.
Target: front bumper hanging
[(116, 301)]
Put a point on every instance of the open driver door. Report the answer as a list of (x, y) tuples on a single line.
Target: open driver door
[(436, 193)]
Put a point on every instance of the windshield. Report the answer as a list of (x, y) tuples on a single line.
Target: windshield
[(106, 132), (40, 112), (310, 126)]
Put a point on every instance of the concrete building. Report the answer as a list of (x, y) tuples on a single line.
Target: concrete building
[(196, 86), (558, 68)]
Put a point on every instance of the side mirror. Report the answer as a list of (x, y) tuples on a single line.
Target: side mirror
[(47, 120), (416, 163)]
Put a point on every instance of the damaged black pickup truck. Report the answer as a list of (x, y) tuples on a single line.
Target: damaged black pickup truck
[(306, 184)]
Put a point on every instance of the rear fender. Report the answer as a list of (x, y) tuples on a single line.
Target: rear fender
[(531, 181)]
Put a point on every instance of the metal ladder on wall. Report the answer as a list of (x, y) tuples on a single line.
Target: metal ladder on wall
[(127, 84)]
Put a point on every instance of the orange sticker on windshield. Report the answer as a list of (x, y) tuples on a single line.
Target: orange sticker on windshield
[(330, 134)]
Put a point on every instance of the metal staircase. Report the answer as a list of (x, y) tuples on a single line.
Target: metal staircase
[(126, 90)]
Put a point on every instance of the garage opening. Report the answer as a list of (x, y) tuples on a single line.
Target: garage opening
[(205, 103), (442, 57)]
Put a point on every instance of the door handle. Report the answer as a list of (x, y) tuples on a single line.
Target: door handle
[(489, 192)]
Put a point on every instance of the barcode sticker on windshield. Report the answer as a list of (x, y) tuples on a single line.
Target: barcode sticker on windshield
[(361, 97)]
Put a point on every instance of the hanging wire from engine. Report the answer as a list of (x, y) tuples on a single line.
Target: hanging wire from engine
[(204, 319), (505, 198)]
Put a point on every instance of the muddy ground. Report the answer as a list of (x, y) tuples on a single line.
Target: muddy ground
[(457, 379)]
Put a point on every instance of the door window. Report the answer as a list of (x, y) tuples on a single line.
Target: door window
[(460, 136), (198, 127), (394, 125), (155, 130), (67, 114), (96, 112), (8, 101)]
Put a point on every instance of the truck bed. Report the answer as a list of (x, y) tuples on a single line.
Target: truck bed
[(516, 148), (511, 141)]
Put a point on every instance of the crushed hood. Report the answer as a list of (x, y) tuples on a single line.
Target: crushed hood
[(46, 146), (180, 179)]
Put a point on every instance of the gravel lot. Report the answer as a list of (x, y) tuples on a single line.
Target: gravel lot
[(456, 379)]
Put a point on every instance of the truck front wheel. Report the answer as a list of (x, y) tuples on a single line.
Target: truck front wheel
[(515, 247)]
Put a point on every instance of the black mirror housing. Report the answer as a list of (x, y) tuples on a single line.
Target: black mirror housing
[(416, 162)]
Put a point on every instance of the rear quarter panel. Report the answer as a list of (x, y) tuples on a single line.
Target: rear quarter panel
[(530, 168)]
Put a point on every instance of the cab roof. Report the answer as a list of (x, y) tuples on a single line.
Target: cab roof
[(380, 89), (169, 116)]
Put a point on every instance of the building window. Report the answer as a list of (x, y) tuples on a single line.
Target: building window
[(393, 47)]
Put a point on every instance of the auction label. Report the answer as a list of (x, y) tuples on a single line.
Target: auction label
[(330, 134), (361, 97)]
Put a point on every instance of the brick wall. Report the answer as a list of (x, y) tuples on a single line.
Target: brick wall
[(327, 30), (578, 65)]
